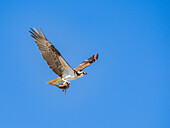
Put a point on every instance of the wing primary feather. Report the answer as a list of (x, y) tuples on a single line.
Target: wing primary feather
[(43, 33), (33, 36), (33, 31), (36, 31)]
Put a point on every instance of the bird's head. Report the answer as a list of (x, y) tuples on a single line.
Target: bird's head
[(82, 73)]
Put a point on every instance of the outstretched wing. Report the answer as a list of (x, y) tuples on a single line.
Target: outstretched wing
[(87, 63), (53, 57)]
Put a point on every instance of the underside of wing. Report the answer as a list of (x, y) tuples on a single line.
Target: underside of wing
[(87, 63), (53, 57)]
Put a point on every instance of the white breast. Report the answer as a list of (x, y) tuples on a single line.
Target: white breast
[(69, 74)]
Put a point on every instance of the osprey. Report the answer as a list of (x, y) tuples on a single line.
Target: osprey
[(57, 63)]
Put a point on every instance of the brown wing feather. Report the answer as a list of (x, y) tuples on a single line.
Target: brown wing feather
[(86, 63), (50, 53)]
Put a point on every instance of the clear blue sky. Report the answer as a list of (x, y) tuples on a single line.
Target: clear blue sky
[(128, 87)]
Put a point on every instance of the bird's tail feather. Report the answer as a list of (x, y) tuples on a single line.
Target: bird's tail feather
[(55, 81)]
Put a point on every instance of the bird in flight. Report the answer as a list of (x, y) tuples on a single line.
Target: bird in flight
[(57, 63)]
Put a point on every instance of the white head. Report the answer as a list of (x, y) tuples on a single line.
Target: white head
[(81, 74)]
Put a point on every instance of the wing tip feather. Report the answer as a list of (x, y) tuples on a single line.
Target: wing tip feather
[(43, 34), (35, 32), (97, 56)]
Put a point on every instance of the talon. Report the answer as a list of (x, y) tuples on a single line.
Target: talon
[(63, 90)]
